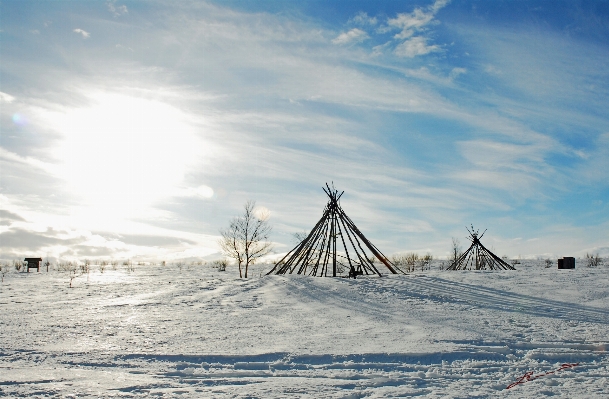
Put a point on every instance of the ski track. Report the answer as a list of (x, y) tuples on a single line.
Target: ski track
[(197, 332)]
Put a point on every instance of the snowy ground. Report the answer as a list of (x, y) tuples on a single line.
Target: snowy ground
[(197, 332)]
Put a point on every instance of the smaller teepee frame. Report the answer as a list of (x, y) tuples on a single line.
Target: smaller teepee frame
[(477, 257), (335, 247)]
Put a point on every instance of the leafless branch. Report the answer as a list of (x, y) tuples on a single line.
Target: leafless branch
[(246, 238)]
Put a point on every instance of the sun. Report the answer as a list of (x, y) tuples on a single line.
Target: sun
[(121, 153)]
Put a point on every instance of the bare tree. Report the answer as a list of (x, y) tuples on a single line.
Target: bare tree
[(246, 238), (455, 251)]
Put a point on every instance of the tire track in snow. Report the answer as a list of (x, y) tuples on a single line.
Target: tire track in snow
[(443, 290)]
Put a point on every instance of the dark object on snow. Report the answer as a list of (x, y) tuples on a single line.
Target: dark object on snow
[(335, 247), (567, 262), (354, 273), (477, 257), (33, 263)]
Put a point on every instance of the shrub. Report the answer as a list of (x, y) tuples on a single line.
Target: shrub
[(73, 275), (411, 260), (593, 260), (129, 267), (85, 267), (425, 261), (18, 265), (406, 262), (399, 261), (220, 264)]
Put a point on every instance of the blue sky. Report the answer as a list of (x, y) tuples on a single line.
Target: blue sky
[(138, 129)]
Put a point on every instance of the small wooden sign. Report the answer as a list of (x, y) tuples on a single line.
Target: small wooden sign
[(33, 263)]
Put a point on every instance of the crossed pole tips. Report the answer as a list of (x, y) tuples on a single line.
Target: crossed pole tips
[(478, 257), (334, 247)]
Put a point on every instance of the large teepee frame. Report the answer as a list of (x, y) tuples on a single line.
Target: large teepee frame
[(477, 257), (335, 247)]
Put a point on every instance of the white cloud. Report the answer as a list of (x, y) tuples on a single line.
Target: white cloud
[(439, 4), (595, 169), (258, 47), (116, 10), (411, 24), (363, 19), (202, 191), (6, 98), (380, 49), (84, 33), (414, 47), (12, 157), (492, 70), (456, 72), (355, 35), (121, 47), (416, 20)]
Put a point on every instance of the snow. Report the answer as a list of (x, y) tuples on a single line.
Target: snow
[(164, 331)]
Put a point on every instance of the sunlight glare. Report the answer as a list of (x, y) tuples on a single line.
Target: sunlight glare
[(123, 153)]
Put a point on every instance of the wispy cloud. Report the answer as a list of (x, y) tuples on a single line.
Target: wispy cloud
[(117, 10), (121, 47), (412, 26), (10, 216), (455, 72), (415, 46), (355, 35), (6, 98), (362, 18), (32, 162), (411, 23), (230, 105), (595, 170), (82, 32)]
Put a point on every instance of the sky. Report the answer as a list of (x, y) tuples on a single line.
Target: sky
[(137, 130)]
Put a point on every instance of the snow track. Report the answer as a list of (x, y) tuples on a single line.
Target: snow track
[(202, 333)]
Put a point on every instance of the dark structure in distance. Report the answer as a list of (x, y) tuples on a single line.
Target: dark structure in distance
[(566, 262)]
